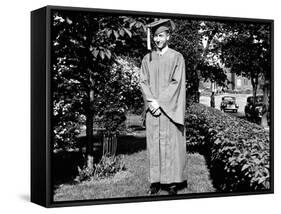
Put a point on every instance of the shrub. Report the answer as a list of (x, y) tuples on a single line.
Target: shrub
[(107, 167), (84, 174), (237, 151)]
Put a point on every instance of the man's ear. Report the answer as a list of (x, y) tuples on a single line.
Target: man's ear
[(168, 36)]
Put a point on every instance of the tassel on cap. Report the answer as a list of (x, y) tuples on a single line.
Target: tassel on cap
[(148, 39)]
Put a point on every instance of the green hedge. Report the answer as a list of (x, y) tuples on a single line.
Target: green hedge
[(237, 151)]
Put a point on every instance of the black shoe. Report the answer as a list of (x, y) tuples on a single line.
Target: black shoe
[(154, 189), (172, 190)]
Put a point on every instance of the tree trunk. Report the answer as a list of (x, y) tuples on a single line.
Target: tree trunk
[(89, 132), (255, 87), (212, 103), (196, 82), (264, 121), (197, 93), (89, 147)]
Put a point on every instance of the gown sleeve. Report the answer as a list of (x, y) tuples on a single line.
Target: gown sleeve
[(145, 83), (172, 99)]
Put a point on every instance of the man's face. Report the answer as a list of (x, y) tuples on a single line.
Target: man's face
[(161, 39)]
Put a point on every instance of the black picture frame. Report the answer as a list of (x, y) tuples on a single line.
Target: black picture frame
[(41, 108)]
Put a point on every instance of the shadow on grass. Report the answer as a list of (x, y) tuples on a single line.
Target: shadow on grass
[(216, 170), (65, 163), (65, 166), (130, 144), (134, 181)]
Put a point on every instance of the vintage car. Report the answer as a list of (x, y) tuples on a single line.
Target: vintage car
[(228, 103), (255, 111)]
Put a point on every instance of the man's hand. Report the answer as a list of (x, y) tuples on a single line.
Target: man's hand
[(154, 107), (157, 112), (153, 104)]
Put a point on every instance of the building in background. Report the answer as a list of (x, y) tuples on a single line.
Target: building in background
[(238, 83), (234, 83)]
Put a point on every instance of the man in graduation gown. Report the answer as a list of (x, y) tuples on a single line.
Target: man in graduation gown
[(162, 81)]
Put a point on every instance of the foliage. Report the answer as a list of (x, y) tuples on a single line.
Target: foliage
[(65, 134), (242, 48), (187, 41), (197, 132), (194, 39), (107, 167), (210, 66), (120, 94), (237, 150), (89, 79), (245, 49), (84, 174), (67, 105)]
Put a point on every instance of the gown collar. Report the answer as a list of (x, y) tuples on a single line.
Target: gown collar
[(163, 51)]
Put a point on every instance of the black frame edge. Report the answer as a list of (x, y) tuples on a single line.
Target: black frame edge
[(160, 14), (272, 108), (38, 153), (49, 105), (90, 202)]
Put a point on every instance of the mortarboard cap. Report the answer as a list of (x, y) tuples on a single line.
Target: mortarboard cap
[(158, 27)]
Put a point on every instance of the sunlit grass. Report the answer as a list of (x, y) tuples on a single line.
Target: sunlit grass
[(134, 181)]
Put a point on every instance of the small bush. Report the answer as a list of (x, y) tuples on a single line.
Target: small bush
[(107, 167), (237, 151), (84, 174)]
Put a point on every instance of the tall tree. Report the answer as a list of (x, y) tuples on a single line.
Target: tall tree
[(186, 40), (85, 48), (246, 50), (194, 39)]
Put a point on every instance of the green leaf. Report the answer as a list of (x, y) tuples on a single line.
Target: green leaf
[(261, 180), (128, 32), (121, 32), (116, 34), (69, 21), (143, 27), (108, 53), (132, 24), (95, 53), (138, 24), (246, 166), (109, 32), (101, 54)]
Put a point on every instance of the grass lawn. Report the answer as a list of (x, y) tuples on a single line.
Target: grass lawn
[(133, 182)]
